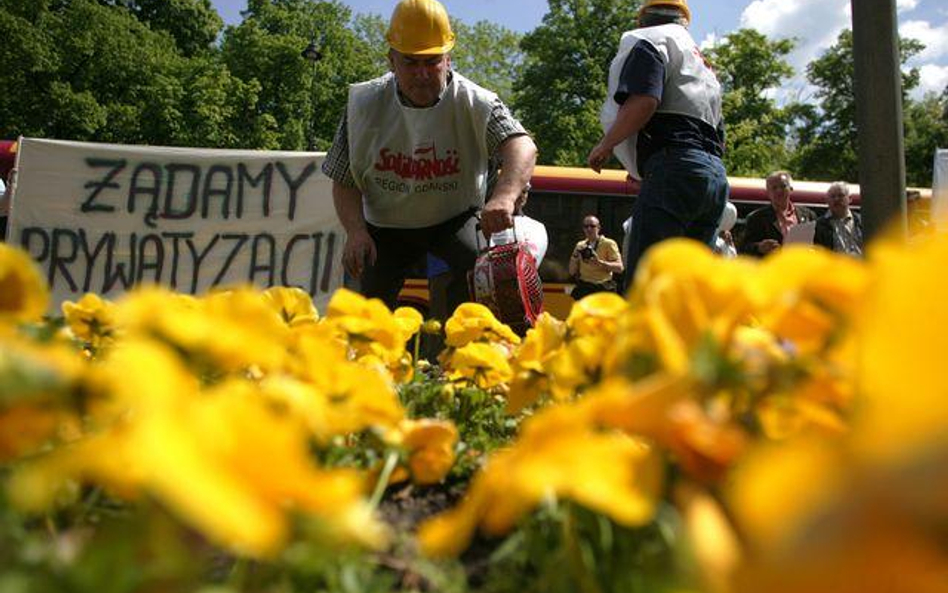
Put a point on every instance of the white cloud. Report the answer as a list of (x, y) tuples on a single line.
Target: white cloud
[(814, 25), (934, 79), (795, 19), (934, 38), (710, 40), (906, 5)]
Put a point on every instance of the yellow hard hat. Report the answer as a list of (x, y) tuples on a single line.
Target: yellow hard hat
[(420, 27), (681, 5)]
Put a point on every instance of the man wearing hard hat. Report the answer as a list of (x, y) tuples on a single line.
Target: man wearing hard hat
[(410, 160), (662, 120)]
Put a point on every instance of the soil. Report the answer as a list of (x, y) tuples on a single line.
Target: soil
[(406, 506)]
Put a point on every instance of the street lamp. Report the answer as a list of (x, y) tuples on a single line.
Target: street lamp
[(311, 52)]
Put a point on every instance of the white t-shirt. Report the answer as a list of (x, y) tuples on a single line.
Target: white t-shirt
[(528, 230)]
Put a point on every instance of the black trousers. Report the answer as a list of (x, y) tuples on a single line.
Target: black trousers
[(397, 250), (584, 288)]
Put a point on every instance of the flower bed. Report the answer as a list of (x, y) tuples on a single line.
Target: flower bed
[(731, 425)]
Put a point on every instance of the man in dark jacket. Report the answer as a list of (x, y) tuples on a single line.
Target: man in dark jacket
[(840, 229), (767, 227)]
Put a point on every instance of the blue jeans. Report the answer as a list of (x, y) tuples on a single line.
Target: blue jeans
[(683, 195)]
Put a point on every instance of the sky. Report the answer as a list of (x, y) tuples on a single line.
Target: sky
[(815, 25)]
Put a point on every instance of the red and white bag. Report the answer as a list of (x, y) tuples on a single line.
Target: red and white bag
[(506, 281)]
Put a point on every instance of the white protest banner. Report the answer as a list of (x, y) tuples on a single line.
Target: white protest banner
[(940, 190), (104, 218)]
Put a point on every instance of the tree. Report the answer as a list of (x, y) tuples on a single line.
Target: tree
[(194, 24), (84, 70), (562, 84), (749, 67), (304, 99), (88, 70), (488, 54), (370, 29), (926, 129), (831, 152)]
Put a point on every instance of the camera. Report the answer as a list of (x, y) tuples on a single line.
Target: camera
[(587, 252)]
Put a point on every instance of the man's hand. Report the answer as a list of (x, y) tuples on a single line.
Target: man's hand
[(497, 214), (359, 250), (768, 245), (598, 156)]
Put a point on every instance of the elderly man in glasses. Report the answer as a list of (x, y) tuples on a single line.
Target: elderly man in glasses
[(840, 229), (594, 261)]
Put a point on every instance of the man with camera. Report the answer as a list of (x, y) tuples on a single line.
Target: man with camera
[(595, 259)]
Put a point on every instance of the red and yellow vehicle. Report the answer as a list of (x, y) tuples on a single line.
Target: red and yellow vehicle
[(561, 196)]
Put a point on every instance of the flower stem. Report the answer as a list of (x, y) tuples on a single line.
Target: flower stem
[(574, 555), (390, 462)]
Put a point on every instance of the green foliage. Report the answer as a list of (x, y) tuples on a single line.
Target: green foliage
[(566, 548), (926, 129), (370, 28), (305, 99), (488, 54), (831, 152), (748, 66), (563, 80), (85, 70), (194, 24), (480, 417)]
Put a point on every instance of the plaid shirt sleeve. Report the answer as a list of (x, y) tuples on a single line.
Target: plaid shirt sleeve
[(336, 165), (500, 126)]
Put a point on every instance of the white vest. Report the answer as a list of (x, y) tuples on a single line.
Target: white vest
[(418, 167), (690, 87)]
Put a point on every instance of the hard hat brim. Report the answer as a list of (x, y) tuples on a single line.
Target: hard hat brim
[(684, 9), (422, 50)]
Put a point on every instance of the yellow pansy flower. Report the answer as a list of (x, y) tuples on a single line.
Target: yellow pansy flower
[(710, 534), (24, 295), (700, 291), (682, 296), (37, 373), (902, 341), (232, 329), (222, 460), (364, 319), (25, 428), (293, 304), (808, 295), (575, 366), (485, 365), (350, 396), (532, 362), (409, 320), (430, 444), (91, 319), (472, 322), (541, 342), (559, 454), (596, 313), (705, 444)]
